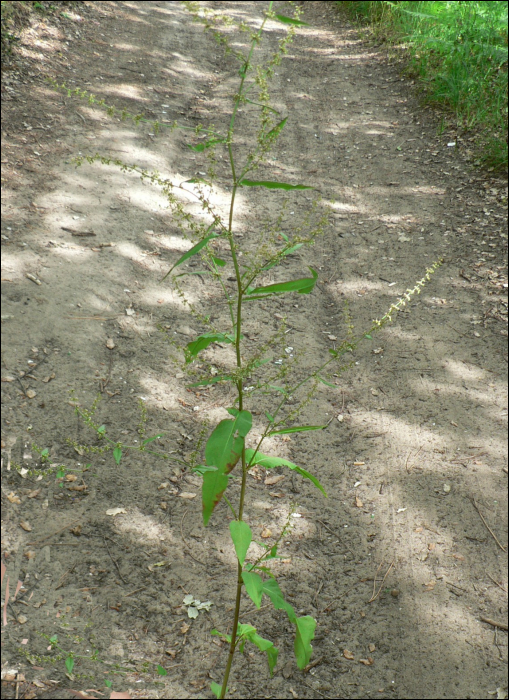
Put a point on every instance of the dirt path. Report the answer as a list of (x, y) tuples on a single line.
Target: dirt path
[(417, 458)]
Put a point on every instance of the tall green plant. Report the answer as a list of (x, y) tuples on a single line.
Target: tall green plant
[(225, 259)]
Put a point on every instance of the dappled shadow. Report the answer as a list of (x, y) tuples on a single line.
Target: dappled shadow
[(418, 422)]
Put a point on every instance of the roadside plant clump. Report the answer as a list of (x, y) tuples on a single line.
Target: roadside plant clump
[(237, 268)]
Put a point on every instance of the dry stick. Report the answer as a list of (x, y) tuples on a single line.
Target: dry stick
[(497, 583), (494, 623), (184, 540), (374, 597), (415, 457), (504, 549), (113, 560)]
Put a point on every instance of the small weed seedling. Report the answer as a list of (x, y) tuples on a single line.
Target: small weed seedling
[(236, 269)]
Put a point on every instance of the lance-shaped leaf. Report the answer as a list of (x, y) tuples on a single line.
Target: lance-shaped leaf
[(276, 130), (270, 185), (192, 251), (271, 462), (203, 341), (297, 429), (291, 250), (206, 144), (271, 589), (290, 20), (223, 451), (254, 586), (242, 537), (305, 626), (305, 632), (244, 421), (249, 632), (302, 286)]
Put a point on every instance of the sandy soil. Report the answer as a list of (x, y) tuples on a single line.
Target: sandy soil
[(414, 460)]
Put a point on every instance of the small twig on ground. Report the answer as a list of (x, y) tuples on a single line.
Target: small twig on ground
[(374, 597), (497, 583), (407, 468), (494, 623), (504, 549), (113, 560)]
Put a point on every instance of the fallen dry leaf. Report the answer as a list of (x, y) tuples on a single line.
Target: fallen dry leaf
[(110, 344), (429, 586), (187, 494), (83, 487), (34, 494), (30, 394), (49, 378), (348, 655), (371, 647), (185, 628), (366, 662), (13, 498), (70, 477), (30, 554), (26, 525), (266, 532), (460, 557), (276, 494), (358, 502), (271, 480)]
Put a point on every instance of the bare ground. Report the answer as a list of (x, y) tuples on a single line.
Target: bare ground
[(416, 465)]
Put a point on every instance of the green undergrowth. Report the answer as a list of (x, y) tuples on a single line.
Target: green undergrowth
[(458, 53)]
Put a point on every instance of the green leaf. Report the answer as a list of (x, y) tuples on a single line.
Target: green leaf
[(216, 689), (203, 341), (69, 664), (223, 450), (334, 353), (254, 586), (271, 589), (368, 336), (278, 128), (290, 20), (305, 632), (161, 671), (215, 633), (284, 254), (117, 454), (324, 381), (298, 429), (156, 437), (200, 147), (242, 537), (302, 286), (214, 485), (273, 185), (268, 646), (270, 418), (192, 251), (271, 462), (219, 261), (243, 422)]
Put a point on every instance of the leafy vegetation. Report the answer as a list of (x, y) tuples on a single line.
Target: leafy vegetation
[(458, 50)]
